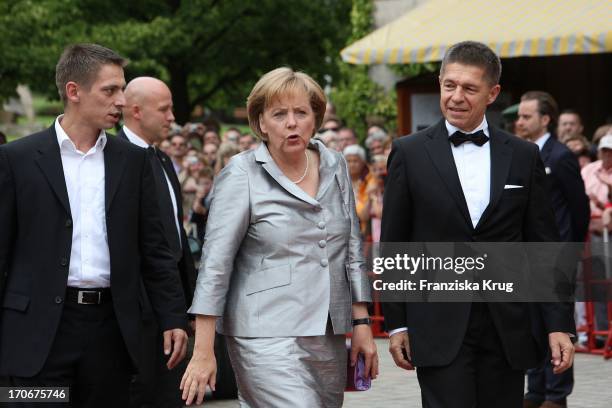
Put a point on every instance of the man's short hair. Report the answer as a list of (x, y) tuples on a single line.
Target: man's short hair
[(475, 54), (546, 106), (178, 135), (571, 112), (80, 63)]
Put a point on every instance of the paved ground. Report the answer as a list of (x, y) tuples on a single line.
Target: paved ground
[(398, 388)]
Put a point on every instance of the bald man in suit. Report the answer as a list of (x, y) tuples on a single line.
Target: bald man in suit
[(147, 118)]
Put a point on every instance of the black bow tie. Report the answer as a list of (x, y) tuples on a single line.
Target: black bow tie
[(478, 138)]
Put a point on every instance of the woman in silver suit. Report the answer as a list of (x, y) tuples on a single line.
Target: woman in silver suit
[(282, 271)]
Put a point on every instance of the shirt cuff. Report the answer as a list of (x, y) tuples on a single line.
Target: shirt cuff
[(398, 330)]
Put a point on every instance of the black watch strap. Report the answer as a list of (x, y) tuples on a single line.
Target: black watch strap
[(365, 320)]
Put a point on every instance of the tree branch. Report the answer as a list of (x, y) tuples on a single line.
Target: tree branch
[(202, 44), (220, 83), (223, 81)]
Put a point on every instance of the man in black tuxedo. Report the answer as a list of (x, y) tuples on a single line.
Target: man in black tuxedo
[(537, 115), (147, 118), (80, 233), (462, 180)]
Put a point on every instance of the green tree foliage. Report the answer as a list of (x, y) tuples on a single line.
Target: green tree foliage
[(357, 98), (413, 70), (210, 51)]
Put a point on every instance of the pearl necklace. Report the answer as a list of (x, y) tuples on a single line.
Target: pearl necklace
[(298, 181)]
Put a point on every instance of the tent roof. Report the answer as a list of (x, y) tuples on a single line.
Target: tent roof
[(512, 28)]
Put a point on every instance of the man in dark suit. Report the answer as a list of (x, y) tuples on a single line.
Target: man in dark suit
[(462, 180), (537, 115), (147, 118), (80, 233)]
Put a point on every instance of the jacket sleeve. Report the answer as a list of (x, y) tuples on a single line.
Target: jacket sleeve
[(539, 226), (572, 185), (160, 274), (8, 216), (360, 286), (228, 222)]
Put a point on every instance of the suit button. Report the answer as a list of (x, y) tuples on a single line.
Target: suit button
[(321, 225), (322, 244), (58, 299), (63, 262), (68, 223), (324, 262)]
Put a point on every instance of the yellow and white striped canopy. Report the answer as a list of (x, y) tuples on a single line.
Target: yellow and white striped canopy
[(512, 28)]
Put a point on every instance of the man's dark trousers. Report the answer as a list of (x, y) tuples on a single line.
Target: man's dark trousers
[(87, 347)]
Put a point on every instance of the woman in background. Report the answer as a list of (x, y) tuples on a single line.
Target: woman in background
[(355, 156)]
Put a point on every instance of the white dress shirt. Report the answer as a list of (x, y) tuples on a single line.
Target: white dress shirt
[(473, 164), (85, 181), (138, 141), (542, 140)]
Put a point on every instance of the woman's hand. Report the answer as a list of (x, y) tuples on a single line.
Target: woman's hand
[(202, 370), (363, 342)]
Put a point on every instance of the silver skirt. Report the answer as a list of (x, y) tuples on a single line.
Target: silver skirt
[(291, 372)]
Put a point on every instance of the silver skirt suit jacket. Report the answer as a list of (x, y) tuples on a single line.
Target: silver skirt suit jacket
[(276, 262)]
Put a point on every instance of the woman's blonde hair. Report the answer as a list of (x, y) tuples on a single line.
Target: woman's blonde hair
[(280, 82), (226, 150)]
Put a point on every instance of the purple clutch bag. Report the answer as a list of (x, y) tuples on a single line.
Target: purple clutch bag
[(355, 376)]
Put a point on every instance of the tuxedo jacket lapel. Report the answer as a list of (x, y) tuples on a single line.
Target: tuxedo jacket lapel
[(547, 149), (501, 158), (50, 162), (121, 135), (174, 181), (114, 165), (439, 150)]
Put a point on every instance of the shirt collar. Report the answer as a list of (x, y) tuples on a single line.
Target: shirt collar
[(542, 140), (134, 138), (64, 140), (484, 126)]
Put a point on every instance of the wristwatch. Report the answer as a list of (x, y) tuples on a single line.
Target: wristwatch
[(365, 320)]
